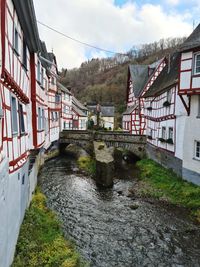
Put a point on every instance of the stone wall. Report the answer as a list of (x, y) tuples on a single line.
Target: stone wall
[(165, 158)]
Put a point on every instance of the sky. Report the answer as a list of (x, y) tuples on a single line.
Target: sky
[(115, 25)]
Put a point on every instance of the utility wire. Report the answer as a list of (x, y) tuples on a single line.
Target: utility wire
[(76, 40)]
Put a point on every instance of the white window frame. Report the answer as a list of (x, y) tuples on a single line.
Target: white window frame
[(195, 64), (169, 96), (21, 119), (16, 40), (171, 131), (14, 115), (163, 132), (197, 149), (39, 72)]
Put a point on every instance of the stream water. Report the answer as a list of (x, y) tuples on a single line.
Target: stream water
[(108, 231)]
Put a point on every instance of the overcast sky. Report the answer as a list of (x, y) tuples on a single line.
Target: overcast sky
[(115, 25)]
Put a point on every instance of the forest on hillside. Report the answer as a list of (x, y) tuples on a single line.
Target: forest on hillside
[(104, 80)]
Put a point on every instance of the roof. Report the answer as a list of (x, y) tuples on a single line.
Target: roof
[(192, 41), (78, 111), (63, 88), (167, 78), (129, 110), (139, 76), (27, 18), (106, 110), (78, 104)]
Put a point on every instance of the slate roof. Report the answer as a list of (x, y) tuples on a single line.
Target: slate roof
[(106, 110), (78, 111), (77, 103), (63, 88), (27, 18), (44, 54), (167, 77), (192, 41), (139, 76), (129, 110)]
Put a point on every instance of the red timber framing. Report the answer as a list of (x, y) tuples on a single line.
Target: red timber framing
[(138, 120), (15, 86), (186, 68)]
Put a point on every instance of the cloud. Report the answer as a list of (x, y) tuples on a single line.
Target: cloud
[(103, 24), (173, 2)]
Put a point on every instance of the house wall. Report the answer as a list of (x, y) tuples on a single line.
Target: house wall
[(189, 82), (191, 166), (108, 122), (66, 113), (161, 116)]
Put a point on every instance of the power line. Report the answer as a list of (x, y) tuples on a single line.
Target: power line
[(78, 41)]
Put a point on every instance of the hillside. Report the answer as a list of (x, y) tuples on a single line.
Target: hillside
[(104, 80)]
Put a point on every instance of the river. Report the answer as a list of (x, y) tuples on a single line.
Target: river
[(106, 228)]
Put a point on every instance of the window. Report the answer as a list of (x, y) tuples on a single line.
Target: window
[(52, 116), (171, 133), (23, 179), (14, 115), (24, 55), (43, 119), (21, 119), (197, 64), (52, 80), (39, 119), (66, 97), (57, 98), (169, 96), (42, 78), (197, 150), (38, 72), (164, 132), (16, 41)]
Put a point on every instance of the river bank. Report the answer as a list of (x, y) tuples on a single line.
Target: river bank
[(164, 185), (41, 242)]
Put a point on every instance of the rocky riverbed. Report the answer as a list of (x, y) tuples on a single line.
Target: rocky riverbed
[(110, 228)]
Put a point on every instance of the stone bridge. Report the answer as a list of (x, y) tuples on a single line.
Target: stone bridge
[(133, 143)]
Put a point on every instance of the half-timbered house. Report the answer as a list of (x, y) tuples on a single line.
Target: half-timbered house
[(66, 117), (165, 114), (54, 100), (19, 42), (189, 92), (80, 115), (140, 77)]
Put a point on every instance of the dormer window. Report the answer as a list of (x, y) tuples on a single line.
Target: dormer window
[(197, 64)]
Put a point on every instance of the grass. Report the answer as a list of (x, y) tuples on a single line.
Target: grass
[(87, 164), (165, 184), (41, 242)]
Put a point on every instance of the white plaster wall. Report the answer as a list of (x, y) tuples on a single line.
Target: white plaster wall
[(181, 115), (108, 122), (16, 203), (192, 133), (3, 212)]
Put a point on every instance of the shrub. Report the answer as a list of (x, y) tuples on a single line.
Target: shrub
[(87, 164)]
